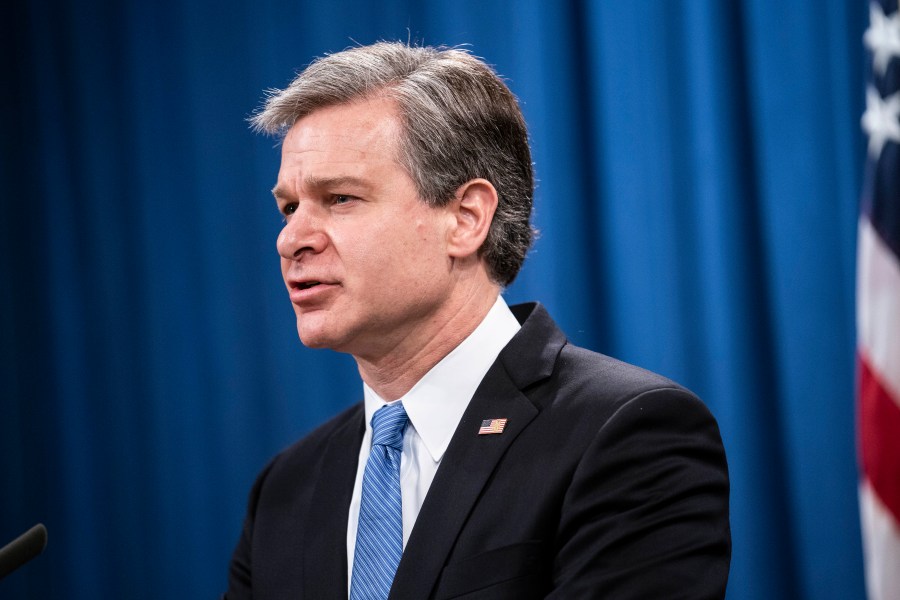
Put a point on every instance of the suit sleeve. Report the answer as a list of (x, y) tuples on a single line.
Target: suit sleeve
[(646, 514)]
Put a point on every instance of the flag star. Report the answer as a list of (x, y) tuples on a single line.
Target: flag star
[(882, 37), (881, 121)]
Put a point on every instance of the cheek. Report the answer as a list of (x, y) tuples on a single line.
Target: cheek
[(393, 250), (396, 260), (426, 238)]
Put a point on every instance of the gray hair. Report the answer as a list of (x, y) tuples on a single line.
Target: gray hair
[(459, 122)]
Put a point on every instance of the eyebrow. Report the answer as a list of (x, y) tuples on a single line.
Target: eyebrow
[(314, 182)]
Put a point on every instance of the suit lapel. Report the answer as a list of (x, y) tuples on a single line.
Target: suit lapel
[(471, 458), (325, 572)]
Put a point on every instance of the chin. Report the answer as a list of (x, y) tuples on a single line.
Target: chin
[(313, 341), (314, 344), (315, 338)]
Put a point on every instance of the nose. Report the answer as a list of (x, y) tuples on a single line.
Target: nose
[(302, 234)]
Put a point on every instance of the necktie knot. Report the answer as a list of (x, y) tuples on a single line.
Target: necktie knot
[(388, 424)]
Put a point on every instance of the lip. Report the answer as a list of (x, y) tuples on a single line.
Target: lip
[(300, 294)]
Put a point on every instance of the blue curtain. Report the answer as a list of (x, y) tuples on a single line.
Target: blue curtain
[(699, 165)]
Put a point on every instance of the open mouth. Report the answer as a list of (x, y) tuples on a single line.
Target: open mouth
[(305, 285)]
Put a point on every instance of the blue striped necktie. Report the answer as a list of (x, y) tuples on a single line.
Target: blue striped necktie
[(379, 538)]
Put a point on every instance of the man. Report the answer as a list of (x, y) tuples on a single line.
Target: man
[(515, 465)]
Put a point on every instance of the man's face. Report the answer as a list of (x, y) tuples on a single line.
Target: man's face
[(364, 259)]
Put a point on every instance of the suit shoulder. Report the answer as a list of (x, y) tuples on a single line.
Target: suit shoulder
[(576, 364), (593, 385)]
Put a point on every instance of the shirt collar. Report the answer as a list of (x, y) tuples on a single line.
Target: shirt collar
[(436, 403)]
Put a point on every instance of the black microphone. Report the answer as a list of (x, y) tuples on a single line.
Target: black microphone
[(22, 549)]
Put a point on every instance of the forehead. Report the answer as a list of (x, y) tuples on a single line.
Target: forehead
[(345, 134)]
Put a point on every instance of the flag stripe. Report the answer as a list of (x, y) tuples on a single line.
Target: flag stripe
[(882, 540), (879, 423), (878, 306)]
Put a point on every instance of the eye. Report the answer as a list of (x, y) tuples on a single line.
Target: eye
[(289, 209), (341, 198)]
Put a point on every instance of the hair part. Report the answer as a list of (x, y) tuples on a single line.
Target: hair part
[(459, 122)]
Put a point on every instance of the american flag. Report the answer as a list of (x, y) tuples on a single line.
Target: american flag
[(492, 426), (878, 308)]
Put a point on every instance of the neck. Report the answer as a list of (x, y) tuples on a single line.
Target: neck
[(395, 373)]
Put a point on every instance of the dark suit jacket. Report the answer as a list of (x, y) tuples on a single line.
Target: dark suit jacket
[(608, 482)]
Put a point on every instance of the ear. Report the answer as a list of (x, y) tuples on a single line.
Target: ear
[(473, 208)]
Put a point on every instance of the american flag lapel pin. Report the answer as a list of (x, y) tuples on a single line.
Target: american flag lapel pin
[(489, 426)]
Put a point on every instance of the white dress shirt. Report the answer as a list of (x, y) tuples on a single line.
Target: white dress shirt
[(435, 405)]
